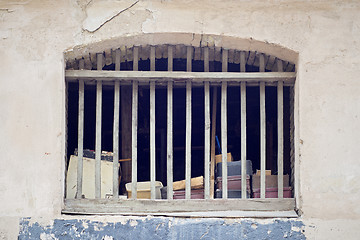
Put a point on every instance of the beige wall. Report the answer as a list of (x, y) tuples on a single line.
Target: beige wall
[(325, 34)]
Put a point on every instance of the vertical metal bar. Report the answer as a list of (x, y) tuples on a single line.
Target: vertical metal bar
[(280, 101), (224, 139), (188, 128), (169, 163), (152, 127), (262, 131), (207, 127), (116, 140), (80, 141), (98, 129), (134, 127)]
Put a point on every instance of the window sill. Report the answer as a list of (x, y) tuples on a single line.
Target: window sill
[(230, 208)]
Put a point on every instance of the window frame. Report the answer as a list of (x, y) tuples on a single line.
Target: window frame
[(169, 206)]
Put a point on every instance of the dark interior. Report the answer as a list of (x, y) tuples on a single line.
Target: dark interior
[(197, 158)]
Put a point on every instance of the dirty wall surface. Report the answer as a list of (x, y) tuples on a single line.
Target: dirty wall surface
[(35, 34)]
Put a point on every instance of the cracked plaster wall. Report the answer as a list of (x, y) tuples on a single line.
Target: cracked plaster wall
[(34, 34)]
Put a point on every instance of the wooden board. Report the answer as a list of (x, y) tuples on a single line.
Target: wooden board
[(280, 122), (224, 127), (262, 131), (152, 127), (116, 140), (212, 148), (80, 140), (169, 161), (195, 77), (98, 129), (120, 206), (188, 141), (196, 183), (224, 138)]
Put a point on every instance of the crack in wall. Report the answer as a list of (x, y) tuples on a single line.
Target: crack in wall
[(89, 29)]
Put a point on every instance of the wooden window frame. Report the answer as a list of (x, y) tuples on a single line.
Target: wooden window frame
[(282, 207)]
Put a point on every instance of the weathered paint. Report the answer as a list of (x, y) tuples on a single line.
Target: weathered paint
[(163, 228)]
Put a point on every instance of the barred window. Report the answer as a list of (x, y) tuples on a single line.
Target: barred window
[(176, 129)]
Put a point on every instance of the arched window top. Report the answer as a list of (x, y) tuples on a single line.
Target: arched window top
[(216, 44)]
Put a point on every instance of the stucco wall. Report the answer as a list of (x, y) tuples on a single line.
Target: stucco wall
[(325, 34)]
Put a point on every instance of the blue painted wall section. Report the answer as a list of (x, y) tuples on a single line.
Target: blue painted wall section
[(162, 228)]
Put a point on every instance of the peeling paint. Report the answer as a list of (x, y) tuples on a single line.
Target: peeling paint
[(162, 228)]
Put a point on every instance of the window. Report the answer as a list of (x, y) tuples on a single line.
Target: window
[(165, 112)]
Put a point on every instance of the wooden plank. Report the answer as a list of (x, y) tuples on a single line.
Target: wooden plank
[(207, 162), (196, 77), (152, 140), (120, 206), (117, 59), (242, 62), (224, 65), (196, 183), (224, 139), (98, 130), (135, 59), (188, 142), (116, 140), (207, 140), (134, 128), (224, 126), (206, 59), (212, 148), (280, 101), (225, 214), (262, 130), (188, 127), (243, 125), (80, 140), (170, 58), (81, 64), (152, 127), (152, 58), (189, 59), (170, 157), (243, 138), (170, 140), (116, 155)]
